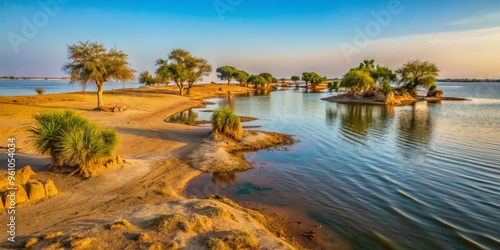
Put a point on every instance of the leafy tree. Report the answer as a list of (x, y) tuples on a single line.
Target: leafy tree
[(383, 74), (257, 80), (333, 86), (306, 77), (283, 80), (313, 78), (385, 87), (417, 73), (198, 67), (267, 76), (368, 65), (146, 78), (91, 63), (242, 77), (227, 73), (295, 79), (357, 79), (274, 80), (181, 67)]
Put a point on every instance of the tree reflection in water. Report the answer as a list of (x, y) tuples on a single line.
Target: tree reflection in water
[(223, 178), (185, 117)]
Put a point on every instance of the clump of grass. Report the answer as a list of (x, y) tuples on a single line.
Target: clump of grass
[(200, 223), (224, 121), (236, 239), (168, 223), (40, 91), (121, 224), (221, 213), (72, 141)]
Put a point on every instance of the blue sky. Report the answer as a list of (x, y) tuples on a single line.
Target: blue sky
[(281, 37)]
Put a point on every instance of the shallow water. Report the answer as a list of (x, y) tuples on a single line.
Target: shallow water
[(417, 177), (27, 87)]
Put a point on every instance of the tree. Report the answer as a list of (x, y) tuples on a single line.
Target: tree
[(313, 78), (382, 74), (283, 80), (257, 80), (181, 67), (267, 76), (417, 73), (357, 79), (91, 63), (242, 77), (198, 67), (333, 86), (146, 78), (306, 76), (295, 79), (368, 65), (227, 73)]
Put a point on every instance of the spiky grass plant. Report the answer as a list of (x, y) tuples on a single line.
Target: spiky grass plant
[(72, 141), (224, 121)]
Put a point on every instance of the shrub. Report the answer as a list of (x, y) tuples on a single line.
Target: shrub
[(72, 141), (224, 121), (40, 91), (385, 88)]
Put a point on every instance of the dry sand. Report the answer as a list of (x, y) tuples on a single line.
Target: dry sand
[(150, 183)]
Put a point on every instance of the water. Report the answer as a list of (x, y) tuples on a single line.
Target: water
[(417, 177), (27, 87)]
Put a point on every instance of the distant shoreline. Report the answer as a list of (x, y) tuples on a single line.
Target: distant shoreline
[(35, 78)]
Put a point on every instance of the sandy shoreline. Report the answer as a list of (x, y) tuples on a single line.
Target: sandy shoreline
[(155, 169)]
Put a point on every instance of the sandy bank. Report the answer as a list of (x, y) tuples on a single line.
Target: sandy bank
[(150, 183)]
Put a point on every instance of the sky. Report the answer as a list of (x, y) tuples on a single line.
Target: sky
[(282, 37)]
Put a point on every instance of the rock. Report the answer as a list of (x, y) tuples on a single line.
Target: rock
[(36, 191), (23, 175), (50, 188), (119, 160), (142, 237), (389, 99), (434, 93), (20, 196), (31, 242)]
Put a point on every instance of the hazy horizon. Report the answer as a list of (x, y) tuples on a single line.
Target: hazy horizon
[(283, 38)]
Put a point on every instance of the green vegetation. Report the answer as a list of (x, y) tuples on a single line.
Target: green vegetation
[(227, 73), (242, 77), (147, 79), (295, 79), (181, 67), (417, 73), (257, 81), (313, 78), (224, 121), (40, 91), (357, 79), (72, 141), (333, 86), (91, 63)]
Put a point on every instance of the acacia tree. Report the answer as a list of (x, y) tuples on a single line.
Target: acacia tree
[(198, 67), (357, 79), (146, 78), (267, 76), (417, 73), (295, 79), (182, 67), (91, 63), (227, 73), (242, 77), (257, 80)]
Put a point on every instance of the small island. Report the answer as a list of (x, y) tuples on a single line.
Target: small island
[(371, 84)]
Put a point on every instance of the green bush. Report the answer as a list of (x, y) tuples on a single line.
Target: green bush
[(224, 121), (40, 91), (385, 88), (72, 141)]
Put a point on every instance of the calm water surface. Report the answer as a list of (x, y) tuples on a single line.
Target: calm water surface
[(425, 176), (27, 87)]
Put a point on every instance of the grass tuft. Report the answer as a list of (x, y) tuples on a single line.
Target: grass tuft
[(168, 223), (224, 121)]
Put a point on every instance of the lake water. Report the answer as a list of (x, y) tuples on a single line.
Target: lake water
[(425, 176), (27, 87)]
